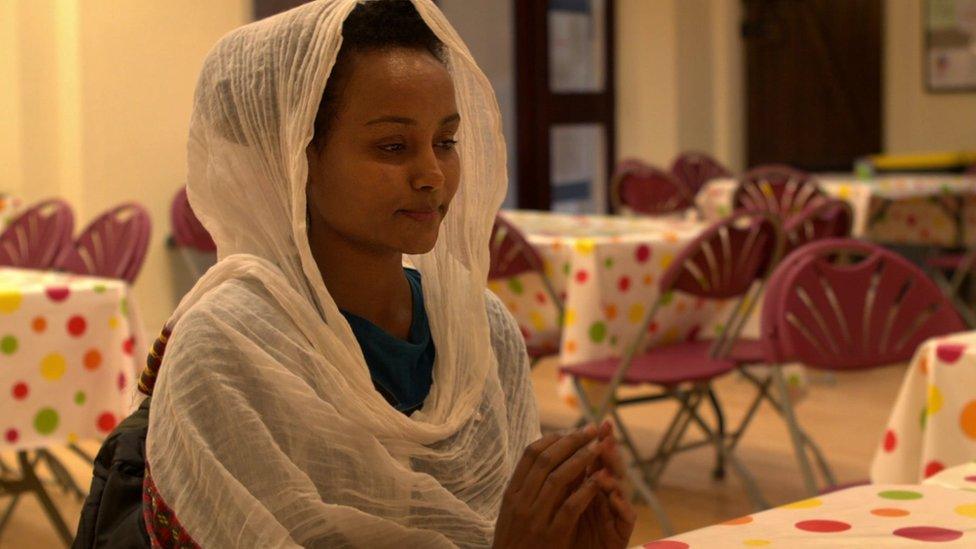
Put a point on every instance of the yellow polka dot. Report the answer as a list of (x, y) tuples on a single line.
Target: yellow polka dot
[(52, 367), (844, 192), (967, 510), (537, 321), (493, 285), (570, 317), (756, 542), (636, 313), (934, 400), (72, 437), (10, 300), (113, 322), (803, 504), (585, 245), (547, 267), (666, 260)]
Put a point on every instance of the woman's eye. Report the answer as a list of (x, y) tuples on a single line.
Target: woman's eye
[(447, 144), (393, 147)]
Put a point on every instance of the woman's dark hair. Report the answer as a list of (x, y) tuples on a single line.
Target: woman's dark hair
[(371, 26)]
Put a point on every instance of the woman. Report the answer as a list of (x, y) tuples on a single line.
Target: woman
[(315, 392)]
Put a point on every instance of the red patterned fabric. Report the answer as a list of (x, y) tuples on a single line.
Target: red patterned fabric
[(162, 525)]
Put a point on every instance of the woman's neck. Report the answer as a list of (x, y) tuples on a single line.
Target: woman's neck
[(367, 283)]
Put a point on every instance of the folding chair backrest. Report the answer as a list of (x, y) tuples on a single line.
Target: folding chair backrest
[(694, 169), (188, 232), (114, 245), (821, 219), (727, 258), (36, 238), (512, 255), (648, 190), (843, 304), (777, 188)]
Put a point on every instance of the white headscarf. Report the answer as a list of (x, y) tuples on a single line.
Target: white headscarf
[(265, 427)]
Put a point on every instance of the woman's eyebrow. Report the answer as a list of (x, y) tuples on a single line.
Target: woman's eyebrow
[(409, 121)]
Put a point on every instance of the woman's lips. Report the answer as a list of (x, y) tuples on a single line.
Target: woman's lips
[(421, 215)]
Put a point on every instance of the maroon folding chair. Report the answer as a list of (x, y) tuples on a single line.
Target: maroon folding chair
[(777, 188), (845, 305), (114, 245), (727, 261), (648, 190), (694, 169), (35, 238), (512, 255), (190, 237)]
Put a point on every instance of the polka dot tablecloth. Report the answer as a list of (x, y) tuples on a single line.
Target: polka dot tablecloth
[(68, 357), (879, 515), (913, 210), (933, 422), (607, 270), (960, 477), (10, 207)]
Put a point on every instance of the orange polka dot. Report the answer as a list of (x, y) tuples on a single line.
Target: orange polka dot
[(611, 311), (740, 520), (39, 324), (93, 359), (889, 512), (571, 346), (923, 365), (967, 419), (512, 307), (648, 280)]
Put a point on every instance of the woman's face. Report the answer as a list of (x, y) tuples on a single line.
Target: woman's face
[(387, 170)]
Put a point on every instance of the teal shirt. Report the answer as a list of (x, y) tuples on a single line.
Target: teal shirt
[(402, 371)]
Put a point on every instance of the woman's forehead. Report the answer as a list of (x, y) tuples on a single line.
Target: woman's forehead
[(394, 82)]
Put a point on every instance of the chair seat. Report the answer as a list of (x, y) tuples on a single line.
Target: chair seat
[(543, 349), (747, 351), (946, 261), (669, 365)]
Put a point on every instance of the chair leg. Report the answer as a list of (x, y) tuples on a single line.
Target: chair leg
[(719, 472), (796, 434), (61, 474), (34, 485), (655, 504)]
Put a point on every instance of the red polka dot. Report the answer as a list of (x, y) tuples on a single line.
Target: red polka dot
[(932, 468), (93, 359), (106, 422), (77, 326), (949, 352), (57, 294), (890, 441), (643, 253), (911, 220), (121, 381), (541, 298), (11, 435), (582, 276), (928, 533), (39, 324), (665, 544), (822, 526), (127, 346), (20, 391), (624, 283), (971, 478), (652, 327)]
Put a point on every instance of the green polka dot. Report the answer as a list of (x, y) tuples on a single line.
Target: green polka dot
[(613, 341), (80, 398), (8, 345), (718, 328), (899, 494), (99, 288), (566, 268), (598, 331), (722, 211), (46, 421), (922, 417), (667, 298), (124, 307), (608, 263), (515, 285)]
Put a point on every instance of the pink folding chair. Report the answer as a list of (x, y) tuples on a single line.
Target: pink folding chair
[(511, 256), (694, 169), (190, 237), (845, 305), (777, 188), (114, 245), (35, 238), (648, 190), (727, 261)]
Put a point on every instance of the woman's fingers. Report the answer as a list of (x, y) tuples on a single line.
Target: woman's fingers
[(569, 512), (560, 481), (624, 510), (551, 458), (529, 456), (610, 455)]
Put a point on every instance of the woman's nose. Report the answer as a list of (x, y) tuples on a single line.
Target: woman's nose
[(428, 174)]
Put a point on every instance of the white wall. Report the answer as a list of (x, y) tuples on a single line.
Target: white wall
[(915, 120), (101, 93)]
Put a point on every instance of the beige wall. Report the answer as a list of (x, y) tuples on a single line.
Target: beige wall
[(107, 87), (915, 120)]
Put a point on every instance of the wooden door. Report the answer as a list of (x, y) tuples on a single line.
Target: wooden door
[(813, 81)]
